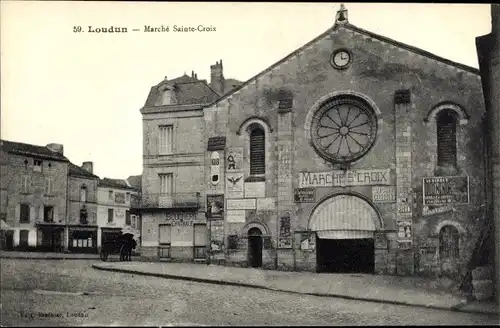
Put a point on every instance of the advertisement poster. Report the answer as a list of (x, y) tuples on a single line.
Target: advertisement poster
[(285, 235), (217, 237), (234, 159), (234, 185), (215, 206), (446, 190)]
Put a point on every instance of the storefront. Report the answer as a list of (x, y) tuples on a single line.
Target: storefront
[(50, 237), (82, 239)]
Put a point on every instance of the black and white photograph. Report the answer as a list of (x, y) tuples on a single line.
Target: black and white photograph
[(249, 164)]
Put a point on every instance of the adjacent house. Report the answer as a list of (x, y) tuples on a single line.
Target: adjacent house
[(82, 209), (33, 184), (172, 207), (114, 199)]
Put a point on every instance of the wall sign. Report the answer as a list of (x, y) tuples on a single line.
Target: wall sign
[(255, 189), (241, 204), (217, 237), (214, 167), (266, 204), (234, 159), (215, 206), (404, 231), (234, 185), (236, 216), (305, 195), (285, 235), (446, 190), (339, 178), (383, 194)]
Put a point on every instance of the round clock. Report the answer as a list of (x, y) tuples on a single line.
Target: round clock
[(341, 58)]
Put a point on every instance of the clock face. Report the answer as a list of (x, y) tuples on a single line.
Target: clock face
[(341, 58)]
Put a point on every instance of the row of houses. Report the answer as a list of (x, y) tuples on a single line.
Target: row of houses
[(51, 204)]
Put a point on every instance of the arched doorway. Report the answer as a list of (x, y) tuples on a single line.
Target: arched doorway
[(255, 244), (344, 226), (449, 239)]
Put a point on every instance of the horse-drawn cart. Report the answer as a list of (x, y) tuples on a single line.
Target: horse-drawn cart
[(121, 244)]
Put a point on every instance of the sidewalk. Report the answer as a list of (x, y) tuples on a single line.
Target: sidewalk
[(411, 291), (54, 256)]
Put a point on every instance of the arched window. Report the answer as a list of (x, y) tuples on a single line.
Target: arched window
[(448, 242), (257, 150), (446, 138)]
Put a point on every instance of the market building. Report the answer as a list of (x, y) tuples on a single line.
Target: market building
[(33, 190), (115, 197), (488, 249), (354, 153)]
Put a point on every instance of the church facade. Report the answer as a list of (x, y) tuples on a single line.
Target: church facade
[(355, 153)]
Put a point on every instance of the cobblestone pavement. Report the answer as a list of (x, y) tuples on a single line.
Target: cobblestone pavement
[(70, 293)]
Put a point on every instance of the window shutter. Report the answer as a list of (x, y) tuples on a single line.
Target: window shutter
[(446, 135), (32, 213), (18, 212), (200, 235), (257, 152), (54, 214), (40, 212), (165, 233)]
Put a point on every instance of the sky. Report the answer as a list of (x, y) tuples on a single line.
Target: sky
[(84, 90)]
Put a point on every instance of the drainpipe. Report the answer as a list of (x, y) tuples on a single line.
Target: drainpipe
[(66, 229)]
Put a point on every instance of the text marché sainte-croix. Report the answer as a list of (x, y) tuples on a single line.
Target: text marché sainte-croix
[(147, 28)]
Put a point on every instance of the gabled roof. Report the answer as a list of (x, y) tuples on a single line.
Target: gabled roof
[(77, 171), (20, 148), (114, 183), (135, 181), (187, 90), (361, 31)]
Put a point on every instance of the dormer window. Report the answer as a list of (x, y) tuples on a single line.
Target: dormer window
[(37, 165)]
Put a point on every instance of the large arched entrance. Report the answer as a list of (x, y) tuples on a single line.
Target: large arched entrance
[(344, 226)]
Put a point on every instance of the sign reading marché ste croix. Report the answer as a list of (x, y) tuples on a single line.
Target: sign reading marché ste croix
[(339, 178)]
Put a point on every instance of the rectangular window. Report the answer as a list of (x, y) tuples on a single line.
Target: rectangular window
[(166, 139), (133, 221), (25, 213), (127, 197), (48, 186), (25, 184), (111, 195), (127, 217), (23, 238), (48, 214), (257, 151), (166, 183), (83, 194), (165, 234), (37, 165), (110, 215)]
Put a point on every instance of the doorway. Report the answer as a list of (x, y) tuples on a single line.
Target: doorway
[(9, 240), (255, 243), (345, 255)]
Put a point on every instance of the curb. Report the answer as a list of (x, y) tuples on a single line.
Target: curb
[(455, 308), (47, 258)]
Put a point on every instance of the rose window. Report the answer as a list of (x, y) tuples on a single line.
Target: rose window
[(343, 129)]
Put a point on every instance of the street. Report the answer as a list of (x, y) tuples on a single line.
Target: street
[(71, 293)]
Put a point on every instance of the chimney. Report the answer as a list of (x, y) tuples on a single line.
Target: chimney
[(192, 74), (217, 78), (88, 166), (56, 148)]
